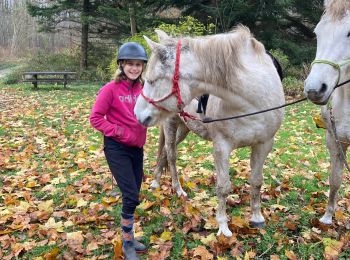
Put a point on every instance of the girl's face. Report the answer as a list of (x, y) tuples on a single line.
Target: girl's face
[(133, 68)]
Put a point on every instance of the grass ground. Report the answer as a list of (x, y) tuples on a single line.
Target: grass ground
[(57, 199)]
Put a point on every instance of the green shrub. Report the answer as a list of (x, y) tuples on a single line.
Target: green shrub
[(292, 86), (188, 26), (282, 58), (6, 65), (14, 76)]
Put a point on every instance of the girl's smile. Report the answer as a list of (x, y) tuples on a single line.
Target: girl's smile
[(133, 68)]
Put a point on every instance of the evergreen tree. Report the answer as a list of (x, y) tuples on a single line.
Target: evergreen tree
[(97, 19), (89, 18)]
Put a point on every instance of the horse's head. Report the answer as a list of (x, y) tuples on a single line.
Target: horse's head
[(167, 87), (333, 52)]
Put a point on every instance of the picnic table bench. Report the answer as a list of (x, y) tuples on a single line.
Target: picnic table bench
[(37, 77)]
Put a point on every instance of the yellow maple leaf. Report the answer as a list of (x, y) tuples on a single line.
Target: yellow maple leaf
[(290, 255), (319, 121), (278, 207), (81, 203), (339, 215), (146, 205), (68, 223), (191, 185), (153, 239), (52, 254), (31, 184), (117, 246), (22, 207), (46, 206), (109, 200), (51, 223), (332, 248), (209, 239), (166, 236), (330, 253), (239, 222), (249, 255), (211, 223)]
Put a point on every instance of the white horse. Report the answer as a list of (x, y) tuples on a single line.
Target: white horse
[(234, 67), (331, 66)]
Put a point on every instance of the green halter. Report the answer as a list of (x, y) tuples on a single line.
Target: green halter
[(333, 64)]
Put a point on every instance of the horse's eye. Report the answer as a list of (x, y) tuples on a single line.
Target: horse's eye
[(348, 34)]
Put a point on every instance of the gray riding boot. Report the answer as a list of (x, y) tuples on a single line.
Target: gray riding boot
[(129, 251), (139, 247)]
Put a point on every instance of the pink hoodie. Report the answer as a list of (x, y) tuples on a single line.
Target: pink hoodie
[(113, 113)]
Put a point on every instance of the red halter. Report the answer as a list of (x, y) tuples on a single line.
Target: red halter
[(175, 90)]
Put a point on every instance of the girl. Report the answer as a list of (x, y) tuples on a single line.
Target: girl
[(124, 138)]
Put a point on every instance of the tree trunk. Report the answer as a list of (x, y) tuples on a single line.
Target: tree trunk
[(132, 20), (84, 35)]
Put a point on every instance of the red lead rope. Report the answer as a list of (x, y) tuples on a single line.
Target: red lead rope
[(176, 88)]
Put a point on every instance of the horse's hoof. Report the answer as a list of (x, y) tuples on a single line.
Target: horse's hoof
[(183, 197), (154, 184), (181, 194), (256, 224), (326, 220), (225, 231)]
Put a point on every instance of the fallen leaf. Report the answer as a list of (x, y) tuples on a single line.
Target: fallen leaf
[(52, 254), (117, 248), (290, 255), (203, 253), (145, 205)]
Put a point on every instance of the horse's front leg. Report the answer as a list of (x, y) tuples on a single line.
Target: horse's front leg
[(257, 159), (172, 138), (335, 179), (162, 161), (222, 152)]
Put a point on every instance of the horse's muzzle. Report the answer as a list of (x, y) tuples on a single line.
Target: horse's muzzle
[(146, 122), (316, 97)]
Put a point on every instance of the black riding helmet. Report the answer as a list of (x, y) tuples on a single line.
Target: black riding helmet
[(132, 51)]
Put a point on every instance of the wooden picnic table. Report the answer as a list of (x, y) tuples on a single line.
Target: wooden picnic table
[(37, 77)]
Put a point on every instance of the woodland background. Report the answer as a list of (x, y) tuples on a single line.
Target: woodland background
[(83, 35)]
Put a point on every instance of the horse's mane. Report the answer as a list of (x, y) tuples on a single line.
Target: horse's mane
[(337, 9), (219, 54)]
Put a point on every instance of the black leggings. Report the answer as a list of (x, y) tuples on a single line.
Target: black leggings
[(126, 165)]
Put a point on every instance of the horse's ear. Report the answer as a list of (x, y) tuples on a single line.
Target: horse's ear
[(161, 35), (153, 45)]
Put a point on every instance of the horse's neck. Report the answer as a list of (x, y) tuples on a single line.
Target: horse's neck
[(215, 90), (237, 99)]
